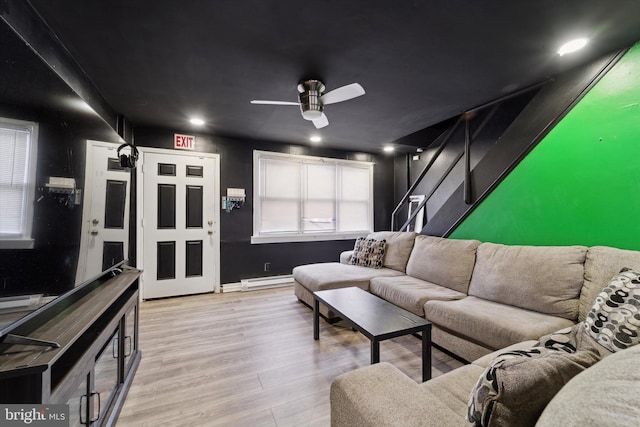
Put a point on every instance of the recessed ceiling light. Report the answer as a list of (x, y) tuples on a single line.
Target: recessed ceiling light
[(388, 148), (196, 121), (315, 138), (572, 46)]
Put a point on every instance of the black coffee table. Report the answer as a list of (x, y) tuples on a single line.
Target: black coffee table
[(375, 318)]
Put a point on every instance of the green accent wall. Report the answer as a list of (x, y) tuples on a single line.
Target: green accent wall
[(581, 183)]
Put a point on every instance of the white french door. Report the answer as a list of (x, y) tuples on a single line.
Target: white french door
[(179, 241)]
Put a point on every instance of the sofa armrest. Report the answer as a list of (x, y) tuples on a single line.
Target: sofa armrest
[(345, 257), (381, 396), (606, 394)]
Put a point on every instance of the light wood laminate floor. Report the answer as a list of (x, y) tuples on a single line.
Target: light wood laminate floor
[(248, 359)]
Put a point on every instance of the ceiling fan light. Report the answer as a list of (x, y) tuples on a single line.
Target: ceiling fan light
[(311, 114)]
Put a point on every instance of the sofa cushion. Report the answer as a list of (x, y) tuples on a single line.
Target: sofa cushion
[(547, 279), (446, 262), (601, 264), (614, 320), (493, 324), (607, 394), (380, 395), (333, 275), (399, 246), (345, 257), (516, 387), (410, 293), (453, 388), (368, 252)]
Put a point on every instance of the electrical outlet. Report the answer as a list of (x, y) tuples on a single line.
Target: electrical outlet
[(267, 266)]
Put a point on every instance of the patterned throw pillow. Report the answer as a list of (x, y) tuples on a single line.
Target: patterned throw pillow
[(368, 252), (517, 385), (614, 320), (570, 340)]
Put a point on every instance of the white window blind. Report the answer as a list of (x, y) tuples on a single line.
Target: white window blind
[(17, 176), (299, 198), (354, 203), (280, 189), (319, 200)]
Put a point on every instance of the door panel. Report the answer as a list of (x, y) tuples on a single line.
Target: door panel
[(112, 253), (193, 259), (166, 261), (166, 206), (116, 199), (179, 224)]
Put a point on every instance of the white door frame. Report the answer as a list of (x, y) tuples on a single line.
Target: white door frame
[(87, 199), (140, 209)]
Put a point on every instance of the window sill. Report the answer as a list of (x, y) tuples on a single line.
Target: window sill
[(290, 238), (16, 243)]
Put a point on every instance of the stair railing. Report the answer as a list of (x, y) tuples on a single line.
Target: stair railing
[(466, 118), (445, 140)]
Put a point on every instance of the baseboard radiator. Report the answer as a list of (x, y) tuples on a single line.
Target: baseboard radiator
[(20, 303), (266, 282)]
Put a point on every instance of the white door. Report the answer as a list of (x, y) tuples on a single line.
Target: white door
[(180, 235), (105, 215)]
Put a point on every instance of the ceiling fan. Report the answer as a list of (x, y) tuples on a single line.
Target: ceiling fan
[(312, 101)]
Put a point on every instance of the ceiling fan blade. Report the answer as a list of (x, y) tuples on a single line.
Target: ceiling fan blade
[(343, 93), (262, 102), (321, 122)]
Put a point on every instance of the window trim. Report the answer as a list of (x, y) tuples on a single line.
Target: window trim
[(26, 240), (286, 237)]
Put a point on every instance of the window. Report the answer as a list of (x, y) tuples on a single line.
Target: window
[(301, 198), (18, 149)]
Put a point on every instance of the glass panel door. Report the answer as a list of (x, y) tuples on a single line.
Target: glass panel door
[(130, 338), (105, 378), (78, 404)]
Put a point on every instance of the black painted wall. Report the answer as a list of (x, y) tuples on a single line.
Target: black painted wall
[(486, 127), (239, 259)]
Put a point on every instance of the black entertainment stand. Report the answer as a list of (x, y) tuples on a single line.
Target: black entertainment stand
[(97, 330)]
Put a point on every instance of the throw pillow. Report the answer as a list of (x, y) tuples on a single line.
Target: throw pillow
[(614, 320), (572, 339), (368, 252), (516, 387)]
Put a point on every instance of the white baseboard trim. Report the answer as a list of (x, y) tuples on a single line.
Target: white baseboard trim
[(231, 287), (259, 283), (266, 282)]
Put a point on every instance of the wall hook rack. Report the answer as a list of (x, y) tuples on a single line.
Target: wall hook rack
[(235, 199)]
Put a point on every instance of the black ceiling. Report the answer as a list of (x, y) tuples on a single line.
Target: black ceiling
[(159, 62)]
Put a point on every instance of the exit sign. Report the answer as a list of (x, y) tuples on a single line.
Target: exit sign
[(184, 142)]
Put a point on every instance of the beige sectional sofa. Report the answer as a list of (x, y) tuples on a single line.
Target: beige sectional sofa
[(481, 299), (606, 394)]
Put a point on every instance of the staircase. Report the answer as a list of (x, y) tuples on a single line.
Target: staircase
[(461, 167)]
